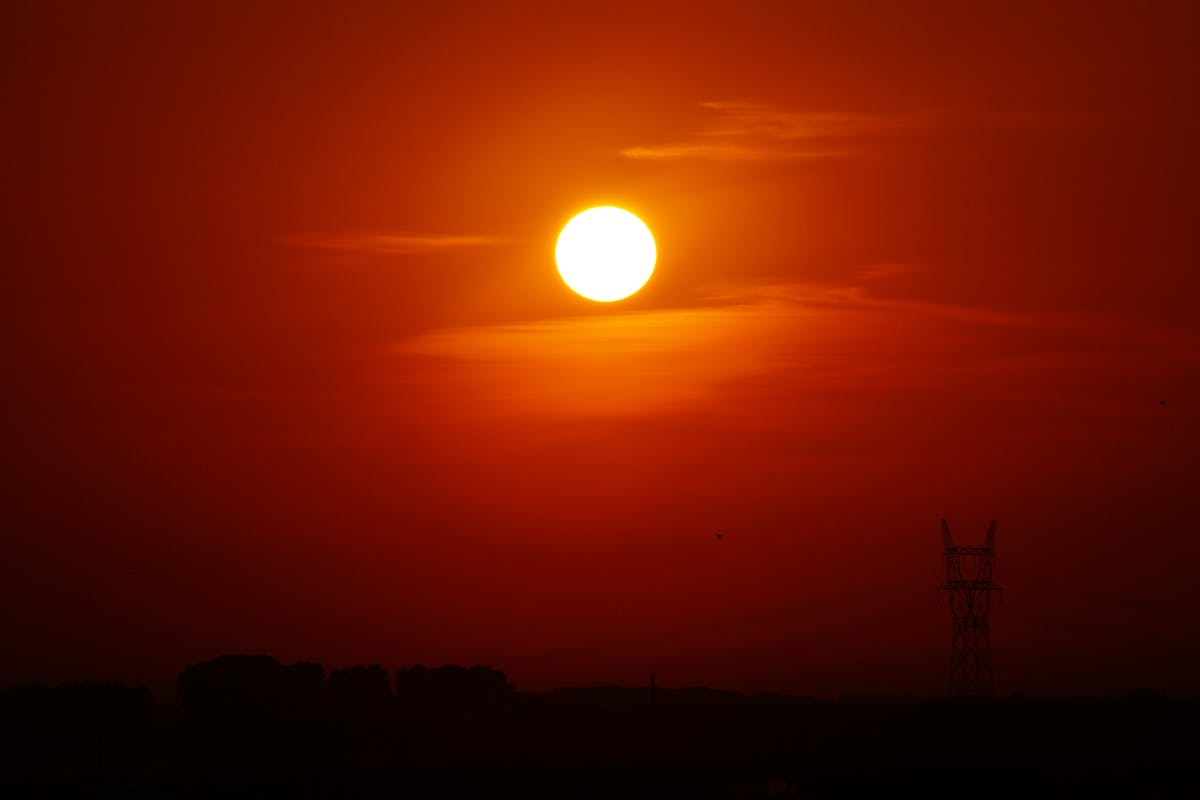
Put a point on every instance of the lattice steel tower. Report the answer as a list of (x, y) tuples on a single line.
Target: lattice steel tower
[(969, 584)]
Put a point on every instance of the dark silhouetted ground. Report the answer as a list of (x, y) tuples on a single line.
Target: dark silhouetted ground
[(249, 723)]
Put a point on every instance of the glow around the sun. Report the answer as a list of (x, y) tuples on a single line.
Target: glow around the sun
[(605, 254)]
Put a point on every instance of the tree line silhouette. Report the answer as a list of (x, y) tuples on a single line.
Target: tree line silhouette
[(449, 730), (259, 687)]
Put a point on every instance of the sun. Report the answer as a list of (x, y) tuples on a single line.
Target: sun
[(605, 254)]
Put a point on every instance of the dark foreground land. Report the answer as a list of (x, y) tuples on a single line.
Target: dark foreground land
[(249, 724)]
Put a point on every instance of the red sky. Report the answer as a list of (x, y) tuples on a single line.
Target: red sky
[(291, 370)]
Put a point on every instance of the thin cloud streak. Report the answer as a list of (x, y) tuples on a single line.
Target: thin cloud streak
[(388, 242), (750, 119), (750, 132), (728, 152), (793, 341), (739, 131)]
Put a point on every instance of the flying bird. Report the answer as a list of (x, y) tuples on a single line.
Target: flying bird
[(1162, 402), (720, 536)]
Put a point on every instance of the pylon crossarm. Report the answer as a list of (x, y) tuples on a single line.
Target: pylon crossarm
[(980, 586), (969, 551)]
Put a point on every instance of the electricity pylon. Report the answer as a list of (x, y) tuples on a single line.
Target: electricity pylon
[(969, 584)]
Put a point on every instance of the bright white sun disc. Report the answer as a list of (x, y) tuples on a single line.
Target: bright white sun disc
[(605, 254)]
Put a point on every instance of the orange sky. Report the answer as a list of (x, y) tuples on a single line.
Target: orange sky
[(292, 371)]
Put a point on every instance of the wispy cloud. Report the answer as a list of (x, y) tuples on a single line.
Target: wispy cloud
[(784, 345), (738, 131), (387, 242), (743, 131)]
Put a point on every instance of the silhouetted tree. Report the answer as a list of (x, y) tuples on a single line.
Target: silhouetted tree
[(251, 686), (360, 689), (453, 691)]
